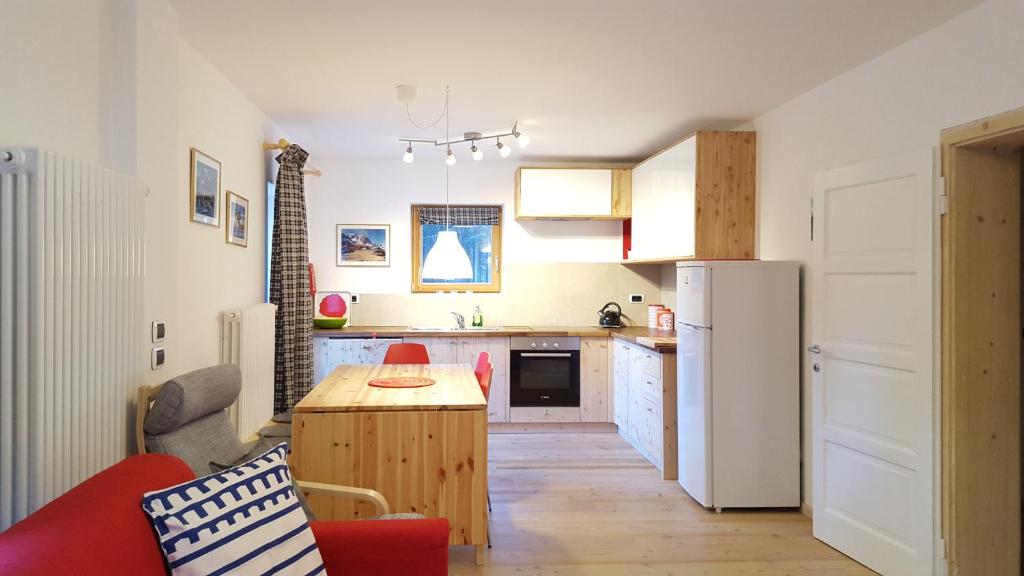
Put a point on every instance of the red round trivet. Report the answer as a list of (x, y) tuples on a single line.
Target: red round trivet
[(401, 382)]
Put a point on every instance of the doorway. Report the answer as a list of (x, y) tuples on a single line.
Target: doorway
[(981, 345)]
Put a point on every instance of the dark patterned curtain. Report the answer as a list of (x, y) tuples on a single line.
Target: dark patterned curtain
[(289, 284)]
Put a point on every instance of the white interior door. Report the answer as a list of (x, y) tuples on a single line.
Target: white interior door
[(873, 389)]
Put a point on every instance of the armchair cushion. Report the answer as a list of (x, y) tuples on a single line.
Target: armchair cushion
[(211, 438), (208, 390)]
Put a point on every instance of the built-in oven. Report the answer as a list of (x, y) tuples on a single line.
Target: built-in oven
[(544, 371)]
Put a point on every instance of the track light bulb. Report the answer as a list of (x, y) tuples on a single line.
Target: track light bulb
[(450, 158), (408, 157), (477, 153), (522, 139), (503, 150)]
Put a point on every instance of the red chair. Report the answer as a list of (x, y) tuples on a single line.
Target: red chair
[(407, 353), (483, 369)]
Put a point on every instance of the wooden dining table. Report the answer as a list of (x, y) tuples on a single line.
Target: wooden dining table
[(424, 449)]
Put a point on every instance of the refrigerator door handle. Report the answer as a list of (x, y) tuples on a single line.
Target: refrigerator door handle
[(692, 327)]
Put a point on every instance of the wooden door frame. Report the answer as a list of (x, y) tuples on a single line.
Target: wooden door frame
[(981, 331)]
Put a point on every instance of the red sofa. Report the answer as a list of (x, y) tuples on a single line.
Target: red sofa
[(99, 528)]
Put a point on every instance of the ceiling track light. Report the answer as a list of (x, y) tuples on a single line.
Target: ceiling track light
[(503, 150), (407, 94)]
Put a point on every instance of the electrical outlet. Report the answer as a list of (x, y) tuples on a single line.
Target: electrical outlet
[(159, 331), (159, 357), (636, 298), (355, 298)]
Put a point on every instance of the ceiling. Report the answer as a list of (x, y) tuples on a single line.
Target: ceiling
[(587, 79)]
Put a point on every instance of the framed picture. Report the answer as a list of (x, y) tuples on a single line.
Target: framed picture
[(363, 245), (204, 191), (236, 209)]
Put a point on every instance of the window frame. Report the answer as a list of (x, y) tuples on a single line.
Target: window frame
[(418, 286)]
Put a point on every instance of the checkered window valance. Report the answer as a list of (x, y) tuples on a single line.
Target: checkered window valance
[(461, 215)]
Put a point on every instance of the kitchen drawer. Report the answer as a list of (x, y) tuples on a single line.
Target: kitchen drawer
[(541, 414), (651, 429), (649, 386), (648, 361)]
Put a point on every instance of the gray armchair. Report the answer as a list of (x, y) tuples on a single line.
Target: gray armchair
[(188, 417)]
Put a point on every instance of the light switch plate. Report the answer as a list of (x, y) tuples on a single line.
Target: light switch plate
[(159, 331), (159, 357), (355, 298), (636, 298)]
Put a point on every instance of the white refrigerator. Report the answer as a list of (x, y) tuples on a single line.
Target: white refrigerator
[(738, 326)]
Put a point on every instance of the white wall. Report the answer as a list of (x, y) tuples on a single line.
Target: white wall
[(967, 68), (111, 82), (69, 78), (381, 191)]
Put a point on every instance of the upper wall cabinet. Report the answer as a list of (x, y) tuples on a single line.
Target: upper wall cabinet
[(696, 200), (573, 194)]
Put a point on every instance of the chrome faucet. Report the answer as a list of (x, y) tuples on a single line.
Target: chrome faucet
[(460, 320)]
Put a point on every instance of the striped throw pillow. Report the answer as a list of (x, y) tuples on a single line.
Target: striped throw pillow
[(244, 520)]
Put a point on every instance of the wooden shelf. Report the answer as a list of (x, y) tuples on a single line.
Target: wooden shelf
[(661, 260)]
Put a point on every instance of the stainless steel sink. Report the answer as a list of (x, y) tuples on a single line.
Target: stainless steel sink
[(456, 329)]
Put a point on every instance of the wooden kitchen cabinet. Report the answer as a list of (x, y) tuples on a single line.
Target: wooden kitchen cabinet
[(573, 193), (696, 200), (644, 392), (595, 393), (466, 350), (331, 351)]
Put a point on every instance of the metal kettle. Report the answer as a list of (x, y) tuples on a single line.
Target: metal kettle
[(610, 318)]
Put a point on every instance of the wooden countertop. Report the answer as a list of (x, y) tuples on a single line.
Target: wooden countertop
[(346, 389), (657, 340)]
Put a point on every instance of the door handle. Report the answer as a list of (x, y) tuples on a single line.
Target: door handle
[(814, 349)]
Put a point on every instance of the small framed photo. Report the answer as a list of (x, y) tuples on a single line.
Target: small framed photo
[(236, 209), (204, 191), (363, 245)]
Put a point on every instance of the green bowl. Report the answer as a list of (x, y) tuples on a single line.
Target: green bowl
[(329, 322)]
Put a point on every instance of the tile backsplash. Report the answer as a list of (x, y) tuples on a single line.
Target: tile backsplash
[(532, 294)]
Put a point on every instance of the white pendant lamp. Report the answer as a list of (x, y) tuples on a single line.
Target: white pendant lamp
[(447, 259)]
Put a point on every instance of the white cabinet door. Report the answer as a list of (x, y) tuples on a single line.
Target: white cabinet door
[(620, 385), (565, 191), (664, 203), (441, 349), (469, 349), (873, 394)]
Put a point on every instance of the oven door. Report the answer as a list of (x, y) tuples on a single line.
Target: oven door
[(545, 378)]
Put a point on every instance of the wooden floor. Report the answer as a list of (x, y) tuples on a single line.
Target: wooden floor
[(568, 504)]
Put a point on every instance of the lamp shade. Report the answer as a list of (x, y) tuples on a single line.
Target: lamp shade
[(447, 259)]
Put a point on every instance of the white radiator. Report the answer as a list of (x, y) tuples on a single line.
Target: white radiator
[(71, 328), (248, 340)]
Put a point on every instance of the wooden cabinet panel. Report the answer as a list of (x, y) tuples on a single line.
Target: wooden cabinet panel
[(469, 349), (329, 352), (594, 391)]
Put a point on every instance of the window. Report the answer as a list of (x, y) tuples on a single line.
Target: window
[(479, 232)]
